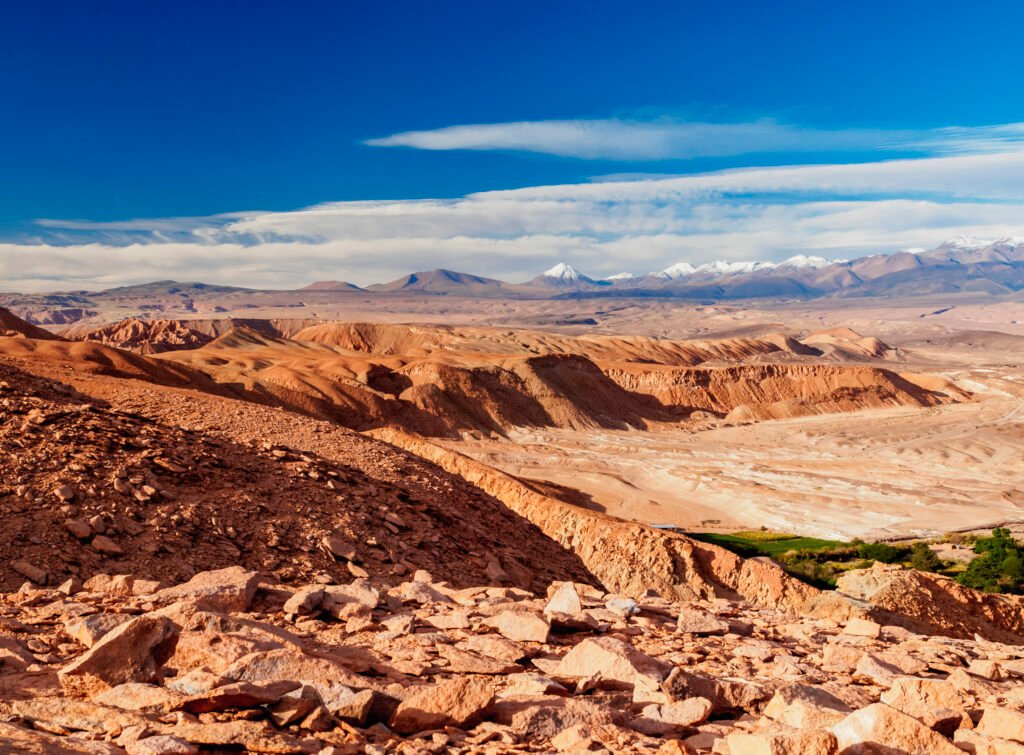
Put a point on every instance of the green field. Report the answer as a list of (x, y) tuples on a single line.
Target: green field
[(767, 543)]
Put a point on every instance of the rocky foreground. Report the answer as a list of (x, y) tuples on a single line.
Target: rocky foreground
[(229, 662)]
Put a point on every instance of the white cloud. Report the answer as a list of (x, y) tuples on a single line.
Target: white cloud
[(666, 138), (599, 228)]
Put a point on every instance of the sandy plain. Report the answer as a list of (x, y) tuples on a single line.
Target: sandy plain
[(875, 474)]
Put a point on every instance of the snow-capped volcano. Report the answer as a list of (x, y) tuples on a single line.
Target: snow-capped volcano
[(562, 276), (620, 277), (563, 272)]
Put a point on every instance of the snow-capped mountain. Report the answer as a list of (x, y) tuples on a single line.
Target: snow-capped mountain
[(966, 243), (680, 270), (722, 267), (966, 250), (563, 272), (957, 264), (803, 261), (563, 276)]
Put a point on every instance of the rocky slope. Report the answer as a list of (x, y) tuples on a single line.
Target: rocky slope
[(395, 596), (86, 488), (232, 661), (627, 557)]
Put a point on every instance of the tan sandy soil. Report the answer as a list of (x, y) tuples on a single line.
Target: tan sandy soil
[(873, 473)]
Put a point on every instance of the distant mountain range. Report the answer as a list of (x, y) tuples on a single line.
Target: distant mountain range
[(961, 264)]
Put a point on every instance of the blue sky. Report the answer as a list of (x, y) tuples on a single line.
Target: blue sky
[(142, 140)]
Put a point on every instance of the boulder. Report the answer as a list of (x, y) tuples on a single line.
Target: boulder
[(805, 707), (546, 716), (879, 728), (726, 695), (305, 601), (492, 646), (91, 629), (700, 622), (30, 571), (986, 669), (225, 590), (339, 547), (858, 627), (352, 708), (564, 600), (76, 715), (934, 702), (139, 696), (872, 668), (520, 626), (983, 744), (617, 663), (238, 695), (672, 718), (105, 545), (460, 702), (110, 584), (526, 684), (809, 742), (296, 705), (132, 652), (1001, 722), (338, 600), (294, 666)]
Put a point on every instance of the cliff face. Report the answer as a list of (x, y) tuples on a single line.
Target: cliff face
[(780, 391), (627, 557)]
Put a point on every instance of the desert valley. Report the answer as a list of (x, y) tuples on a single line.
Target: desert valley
[(338, 520), (511, 377)]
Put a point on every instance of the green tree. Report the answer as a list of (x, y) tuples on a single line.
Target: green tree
[(923, 558), (998, 566), (883, 552)]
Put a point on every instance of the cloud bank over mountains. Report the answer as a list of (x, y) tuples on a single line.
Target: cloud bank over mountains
[(970, 182)]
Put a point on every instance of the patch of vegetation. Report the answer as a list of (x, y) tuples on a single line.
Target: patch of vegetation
[(808, 558), (763, 535), (923, 558), (887, 554), (820, 562), (750, 544), (999, 566)]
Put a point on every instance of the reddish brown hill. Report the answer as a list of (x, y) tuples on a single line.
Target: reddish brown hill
[(444, 382), (104, 360), (13, 326), (780, 391), (86, 489), (148, 336)]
